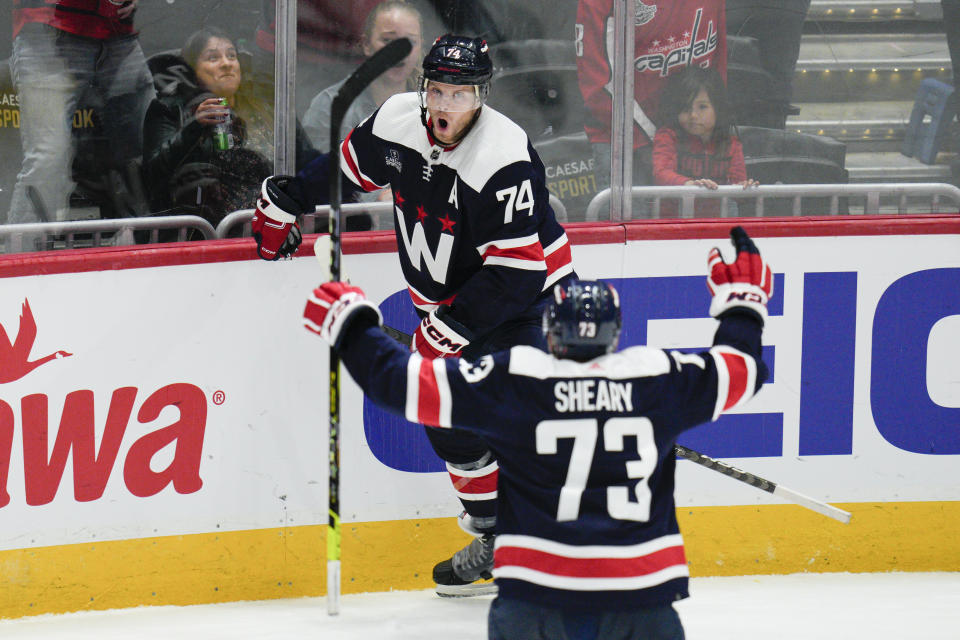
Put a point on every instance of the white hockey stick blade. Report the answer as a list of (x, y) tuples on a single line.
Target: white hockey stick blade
[(321, 249), (813, 504)]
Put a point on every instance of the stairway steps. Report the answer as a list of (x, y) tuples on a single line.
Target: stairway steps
[(874, 10), (868, 67), (860, 66), (873, 52), (895, 167), (863, 126)]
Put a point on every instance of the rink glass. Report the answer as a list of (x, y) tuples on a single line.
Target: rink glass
[(535, 46)]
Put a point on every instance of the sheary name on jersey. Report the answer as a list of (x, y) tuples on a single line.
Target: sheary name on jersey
[(593, 395)]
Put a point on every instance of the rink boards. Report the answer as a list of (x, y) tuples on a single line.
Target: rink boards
[(176, 450)]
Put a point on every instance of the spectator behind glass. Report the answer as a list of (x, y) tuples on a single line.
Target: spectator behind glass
[(65, 51), (697, 145), (387, 21), (185, 170), (328, 39), (668, 37)]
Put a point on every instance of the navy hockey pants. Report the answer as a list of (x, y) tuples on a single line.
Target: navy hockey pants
[(511, 619), (460, 447)]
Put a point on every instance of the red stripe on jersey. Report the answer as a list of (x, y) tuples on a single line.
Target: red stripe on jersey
[(420, 301), (532, 251), (559, 258), (737, 370), (589, 567), (475, 484), (428, 402), (365, 184)]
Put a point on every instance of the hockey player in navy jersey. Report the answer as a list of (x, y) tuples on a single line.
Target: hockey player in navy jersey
[(587, 541), (479, 245)]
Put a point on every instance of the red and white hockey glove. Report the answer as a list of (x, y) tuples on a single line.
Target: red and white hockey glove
[(745, 284), (332, 306), (440, 336), (274, 224)]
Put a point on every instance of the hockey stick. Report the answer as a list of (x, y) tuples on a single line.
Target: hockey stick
[(763, 484), (372, 67)]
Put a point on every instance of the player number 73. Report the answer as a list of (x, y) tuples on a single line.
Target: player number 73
[(584, 433)]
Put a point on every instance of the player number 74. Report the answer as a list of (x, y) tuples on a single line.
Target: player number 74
[(584, 433), (515, 202)]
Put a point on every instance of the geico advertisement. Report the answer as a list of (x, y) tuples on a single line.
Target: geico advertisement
[(189, 399)]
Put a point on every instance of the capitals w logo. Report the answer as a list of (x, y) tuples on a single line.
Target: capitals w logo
[(419, 252)]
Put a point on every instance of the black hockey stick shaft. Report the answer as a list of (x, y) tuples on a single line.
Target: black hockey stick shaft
[(724, 468), (763, 484), (387, 57), (399, 336), (372, 67)]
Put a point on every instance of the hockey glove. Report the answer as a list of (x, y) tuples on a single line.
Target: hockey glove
[(332, 306), (440, 336), (274, 224), (744, 285)]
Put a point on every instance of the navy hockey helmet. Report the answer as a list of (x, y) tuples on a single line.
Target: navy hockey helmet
[(458, 60), (583, 320)]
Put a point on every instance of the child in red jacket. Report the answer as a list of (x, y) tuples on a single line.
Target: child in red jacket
[(696, 144)]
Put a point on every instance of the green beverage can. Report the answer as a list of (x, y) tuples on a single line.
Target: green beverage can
[(223, 131)]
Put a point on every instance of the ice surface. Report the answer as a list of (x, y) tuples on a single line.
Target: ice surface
[(841, 606)]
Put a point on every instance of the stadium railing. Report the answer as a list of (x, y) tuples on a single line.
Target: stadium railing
[(789, 199), (316, 222), (79, 234), (780, 199)]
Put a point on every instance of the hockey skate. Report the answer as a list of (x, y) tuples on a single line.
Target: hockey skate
[(458, 577)]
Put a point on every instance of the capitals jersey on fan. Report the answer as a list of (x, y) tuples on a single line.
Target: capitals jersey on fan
[(80, 17), (668, 36), (473, 221), (586, 515)]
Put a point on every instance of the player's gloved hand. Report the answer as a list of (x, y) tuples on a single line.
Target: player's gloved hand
[(332, 306), (440, 336), (745, 284), (274, 224)]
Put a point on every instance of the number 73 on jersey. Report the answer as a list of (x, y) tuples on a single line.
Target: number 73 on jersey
[(585, 433)]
